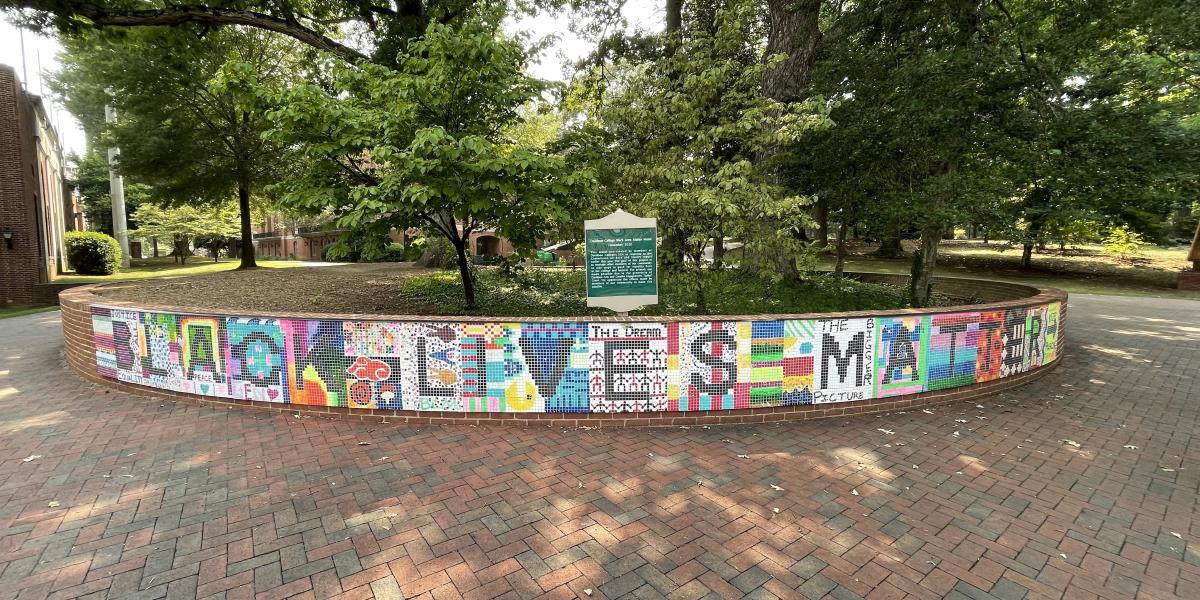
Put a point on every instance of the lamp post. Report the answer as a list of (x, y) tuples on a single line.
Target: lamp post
[(116, 189)]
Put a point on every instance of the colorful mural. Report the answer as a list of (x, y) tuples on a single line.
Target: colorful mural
[(569, 367)]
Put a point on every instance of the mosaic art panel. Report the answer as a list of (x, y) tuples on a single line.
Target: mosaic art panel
[(255, 355), (569, 367), (951, 350), (990, 351), (1051, 333), (800, 343), (712, 372), (1013, 334), (628, 367), (845, 360), (316, 364), (900, 363)]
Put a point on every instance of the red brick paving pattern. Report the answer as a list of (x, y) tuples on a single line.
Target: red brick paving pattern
[(157, 499)]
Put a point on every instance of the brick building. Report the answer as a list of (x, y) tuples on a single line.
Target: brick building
[(278, 238), (35, 208)]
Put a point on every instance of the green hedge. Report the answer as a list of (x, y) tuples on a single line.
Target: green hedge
[(92, 253)]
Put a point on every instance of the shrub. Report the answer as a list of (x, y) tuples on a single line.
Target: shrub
[(1124, 244), (414, 250), (92, 253), (960, 233), (438, 253)]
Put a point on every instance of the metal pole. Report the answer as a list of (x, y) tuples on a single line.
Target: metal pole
[(24, 65), (116, 189)]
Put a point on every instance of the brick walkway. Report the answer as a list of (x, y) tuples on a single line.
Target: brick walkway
[(1082, 484)]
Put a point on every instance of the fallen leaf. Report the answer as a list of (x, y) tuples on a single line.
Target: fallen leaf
[(854, 492), (587, 591), (927, 411), (54, 504), (1130, 447), (743, 456), (775, 510), (776, 488), (1177, 535), (960, 420), (364, 443), (887, 431), (31, 457), (1071, 443)]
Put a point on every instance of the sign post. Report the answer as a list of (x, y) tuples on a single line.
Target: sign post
[(622, 261)]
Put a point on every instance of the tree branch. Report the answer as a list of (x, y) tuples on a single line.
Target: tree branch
[(178, 15)]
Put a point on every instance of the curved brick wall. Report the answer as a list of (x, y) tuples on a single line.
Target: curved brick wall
[(575, 372)]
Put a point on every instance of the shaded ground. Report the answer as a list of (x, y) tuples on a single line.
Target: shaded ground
[(400, 288), (1082, 270), (165, 266), (1082, 484)]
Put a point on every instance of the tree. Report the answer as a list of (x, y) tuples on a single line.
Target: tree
[(425, 144), (1115, 75), (184, 126), (185, 224), (315, 24), (91, 179), (677, 137)]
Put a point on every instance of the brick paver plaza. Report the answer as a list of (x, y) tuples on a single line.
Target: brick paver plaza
[(1082, 484)]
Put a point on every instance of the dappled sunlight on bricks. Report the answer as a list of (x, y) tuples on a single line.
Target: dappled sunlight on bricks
[(224, 500)]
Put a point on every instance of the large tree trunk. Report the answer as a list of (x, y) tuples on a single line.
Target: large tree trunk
[(795, 32), (839, 268), (1035, 207), (822, 217), (1194, 254), (674, 16), (924, 266), (464, 272), (247, 230)]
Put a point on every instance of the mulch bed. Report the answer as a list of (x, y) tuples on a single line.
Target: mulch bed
[(357, 288)]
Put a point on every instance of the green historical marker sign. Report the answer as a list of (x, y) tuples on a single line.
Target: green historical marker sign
[(622, 261)]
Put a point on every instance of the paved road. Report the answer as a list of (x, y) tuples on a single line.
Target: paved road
[(1082, 484)]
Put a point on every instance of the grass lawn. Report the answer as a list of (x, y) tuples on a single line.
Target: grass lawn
[(16, 312), (1082, 270), (165, 266)]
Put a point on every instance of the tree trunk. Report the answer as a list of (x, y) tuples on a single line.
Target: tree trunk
[(155, 242), (924, 265), (718, 252), (890, 245), (822, 217), (247, 230), (795, 31), (464, 272), (1194, 254), (839, 268), (674, 16), (1035, 206)]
